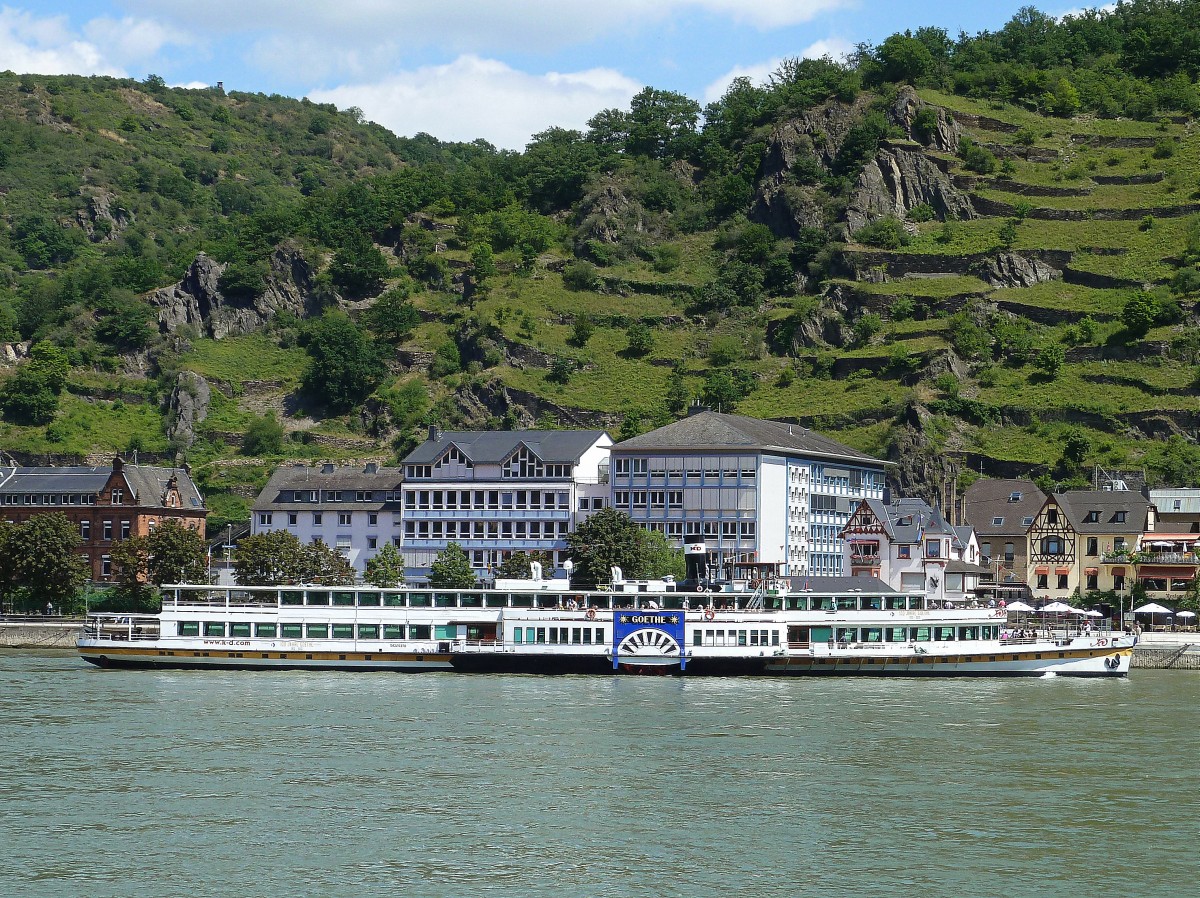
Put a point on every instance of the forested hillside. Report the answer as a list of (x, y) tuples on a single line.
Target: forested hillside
[(980, 251)]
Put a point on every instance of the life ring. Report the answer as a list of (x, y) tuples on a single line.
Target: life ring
[(590, 614), (709, 614)]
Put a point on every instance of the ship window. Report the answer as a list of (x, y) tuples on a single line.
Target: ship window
[(921, 634), (239, 629), (445, 631), (420, 631), (945, 634), (368, 599), (393, 631), (189, 628), (213, 628), (291, 598), (317, 631), (575, 638), (291, 631), (317, 598), (698, 637), (587, 635), (394, 599), (896, 634), (599, 635), (873, 634), (265, 631), (368, 631), (343, 598)]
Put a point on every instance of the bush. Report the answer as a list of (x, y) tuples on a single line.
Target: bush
[(581, 275), (582, 331), (641, 339), (885, 233), (921, 212), (1165, 148), (976, 158), (263, 437)]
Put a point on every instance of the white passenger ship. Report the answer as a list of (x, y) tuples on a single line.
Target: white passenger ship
[(545, 627)]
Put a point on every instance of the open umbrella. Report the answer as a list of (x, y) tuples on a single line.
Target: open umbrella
[(1056, 608), (1152, 608), (1018, 606), (1185, 614), (1092, 612)]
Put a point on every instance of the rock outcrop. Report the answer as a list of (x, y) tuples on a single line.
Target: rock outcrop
[(785, 209), (188, 407), (943, 136), (607, 214), (898, 179), (11, 353), (1012, 270), (197, 299), (104, 218)]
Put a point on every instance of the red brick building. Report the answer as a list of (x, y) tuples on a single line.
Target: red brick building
[(107, 504)]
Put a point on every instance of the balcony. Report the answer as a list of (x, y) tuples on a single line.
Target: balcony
[(1136, 558)]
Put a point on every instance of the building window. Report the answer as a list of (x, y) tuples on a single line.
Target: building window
[(1062, 581), (1051, 515), (264, 520), (117, 496), (1119, 543), (1042, 581), (933, 548), (1093, 582), (317, 519), (1093, 547), (343, 519), (124, 530), (292, 518), (372, 542), (105, 565), (903, 551), (985, 549), (106, 530), (1092, 517), (1008, 552), (85, 529), (997, 522), (1119, 583), (1119, 517), (372, 519)]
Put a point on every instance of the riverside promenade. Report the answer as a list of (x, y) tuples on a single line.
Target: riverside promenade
[(37, 632), (1165, 650)]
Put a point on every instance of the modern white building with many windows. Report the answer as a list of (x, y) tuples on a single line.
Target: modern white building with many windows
[(355, 510), (746, 488), (495, 493)]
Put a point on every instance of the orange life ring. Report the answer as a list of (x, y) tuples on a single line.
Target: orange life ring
[(709, 614), (590, 614)]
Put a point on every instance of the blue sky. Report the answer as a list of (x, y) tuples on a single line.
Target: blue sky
[(460, 69)]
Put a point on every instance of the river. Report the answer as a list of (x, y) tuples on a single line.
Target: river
[(348, 785)]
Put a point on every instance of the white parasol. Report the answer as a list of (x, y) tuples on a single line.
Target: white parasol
[(1056, 608), (1018, 606), (1152, 608)]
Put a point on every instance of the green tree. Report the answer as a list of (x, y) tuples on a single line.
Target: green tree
[(1050, 360), (516, 566), (263, 437), (386, 568), (1139, 314), (903, 58), (640, 339), (176, 553), (42, 556), (582, 331), (129, 560), (273, 558), (605, 539), (30, 396), (393, 316), (660, 558), (358, 266), (661, 123), (452, 569), (325, 565), (344, 366)]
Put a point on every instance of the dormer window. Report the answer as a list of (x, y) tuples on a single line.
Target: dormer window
[(1014, 496), (117, 496), (1093, 517), (997, 522), (1119, 517)]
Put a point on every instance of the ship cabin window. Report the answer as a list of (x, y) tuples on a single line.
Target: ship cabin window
[(189, 628), (393, 631), (845, 635), (239, 630), (419, 600), (445, 631), (214, 628), (420, 631), (944, 634), (445, 600), (343, 631), (316, 631), (871, 603), (872, 634), (264, 631), (291, 597), (968, 632), (847, 603), (522, 600), (921, 634), (316, 598), (368, 599), (896, 634), (395, 599), (291, 631), (821, 603), (893, 603)]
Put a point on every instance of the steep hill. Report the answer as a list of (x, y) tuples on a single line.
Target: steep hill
[(931, 273)]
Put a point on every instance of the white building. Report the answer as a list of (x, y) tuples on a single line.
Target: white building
[(910, 547), (495, 493), (355, 510), (748, 489)]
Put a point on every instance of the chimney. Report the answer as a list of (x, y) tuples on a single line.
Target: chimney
[(434, 433), (887, 495)]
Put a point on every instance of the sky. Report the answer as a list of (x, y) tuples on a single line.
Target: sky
[(500, 70)]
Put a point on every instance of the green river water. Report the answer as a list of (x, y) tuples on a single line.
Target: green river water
[(180, 784)]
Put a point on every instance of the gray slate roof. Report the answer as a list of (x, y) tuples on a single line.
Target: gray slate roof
[(1077, 503), (908, 520), (148, 482), (839, 584), (988, 499), (286, 480), (714, 430), (484, 447)]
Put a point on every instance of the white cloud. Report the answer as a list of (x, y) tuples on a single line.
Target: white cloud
[(47, 46), (467, 25), (132, 41), (760, 72), (1080, 10), (473, 97)]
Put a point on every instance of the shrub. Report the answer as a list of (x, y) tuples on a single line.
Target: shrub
[(582, 330), (581, 275), (885, 233), (263, 437), (921, 212), (976, 158), (641, 339), (1164, 148)]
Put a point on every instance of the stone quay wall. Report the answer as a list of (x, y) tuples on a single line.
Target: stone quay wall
[(15, 634)]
